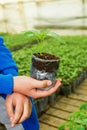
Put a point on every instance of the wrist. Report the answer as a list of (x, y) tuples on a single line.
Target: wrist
[(16, 84), (19, 82)]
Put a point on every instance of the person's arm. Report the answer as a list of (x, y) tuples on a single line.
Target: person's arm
[(8, 69), (7, 64)]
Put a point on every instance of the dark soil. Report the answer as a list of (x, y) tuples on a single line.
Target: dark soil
[(45, 61), (46, 56)]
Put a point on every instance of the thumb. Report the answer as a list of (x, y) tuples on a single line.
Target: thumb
[(42, 83)]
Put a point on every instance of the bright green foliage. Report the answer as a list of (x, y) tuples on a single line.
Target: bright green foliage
[(15, 41), (73, 54), (38, 35), (83, 106), (41, 35), (77, 120)]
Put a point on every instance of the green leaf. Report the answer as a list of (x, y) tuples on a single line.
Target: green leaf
[(62, 127), (83, 106), (81, 128), (29, 33), (56, 36)]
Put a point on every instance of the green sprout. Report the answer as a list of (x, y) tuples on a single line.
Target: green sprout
[(41, 35)]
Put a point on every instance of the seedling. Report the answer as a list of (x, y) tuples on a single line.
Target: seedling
[(41, 35)]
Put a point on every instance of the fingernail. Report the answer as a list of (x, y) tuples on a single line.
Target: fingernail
[(60, 80), (60, 84), (11, 118), (49, 83), (12, 125)]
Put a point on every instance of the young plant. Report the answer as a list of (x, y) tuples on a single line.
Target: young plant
[(41, 35), (76, 120)]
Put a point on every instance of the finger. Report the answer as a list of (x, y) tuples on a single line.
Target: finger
[(41, 83), (17, 115), (46, 93), (59, 79), (9, 108), (27, 111)]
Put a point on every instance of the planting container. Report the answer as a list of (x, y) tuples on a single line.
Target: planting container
[(40, 105), (44, 66), (66, 89), (73, 85)]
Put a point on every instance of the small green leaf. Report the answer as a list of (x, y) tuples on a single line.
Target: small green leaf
[(81, 128), (62, 127), (83, 106)]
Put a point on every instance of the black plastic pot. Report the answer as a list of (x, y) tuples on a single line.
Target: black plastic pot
[(40, 105), (66, 89), (44, 66), (52, 98), (73, 85), (81, 77), (84, 74), (36, 106)]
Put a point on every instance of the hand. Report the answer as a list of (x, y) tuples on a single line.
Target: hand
[(18, 108), (30, 87)]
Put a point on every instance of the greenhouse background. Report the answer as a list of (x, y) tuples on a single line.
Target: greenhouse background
[(63, 16), (32, 28)]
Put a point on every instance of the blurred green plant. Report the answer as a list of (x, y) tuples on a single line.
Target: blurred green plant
[(76, 120)]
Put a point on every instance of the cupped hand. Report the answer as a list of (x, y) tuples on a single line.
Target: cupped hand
[(31, 87)]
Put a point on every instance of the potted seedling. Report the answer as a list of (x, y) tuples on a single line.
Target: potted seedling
[(44, 65), (66, 86)]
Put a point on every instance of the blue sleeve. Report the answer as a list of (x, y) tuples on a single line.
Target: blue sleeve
[(8, 69), (6, 84), (6, 60)]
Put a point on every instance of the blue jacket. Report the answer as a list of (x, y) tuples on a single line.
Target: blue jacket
[(8, 69)]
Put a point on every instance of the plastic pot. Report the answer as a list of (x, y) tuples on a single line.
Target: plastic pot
[(44, 66), (40, 105), (66, 90), (73, 85)]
